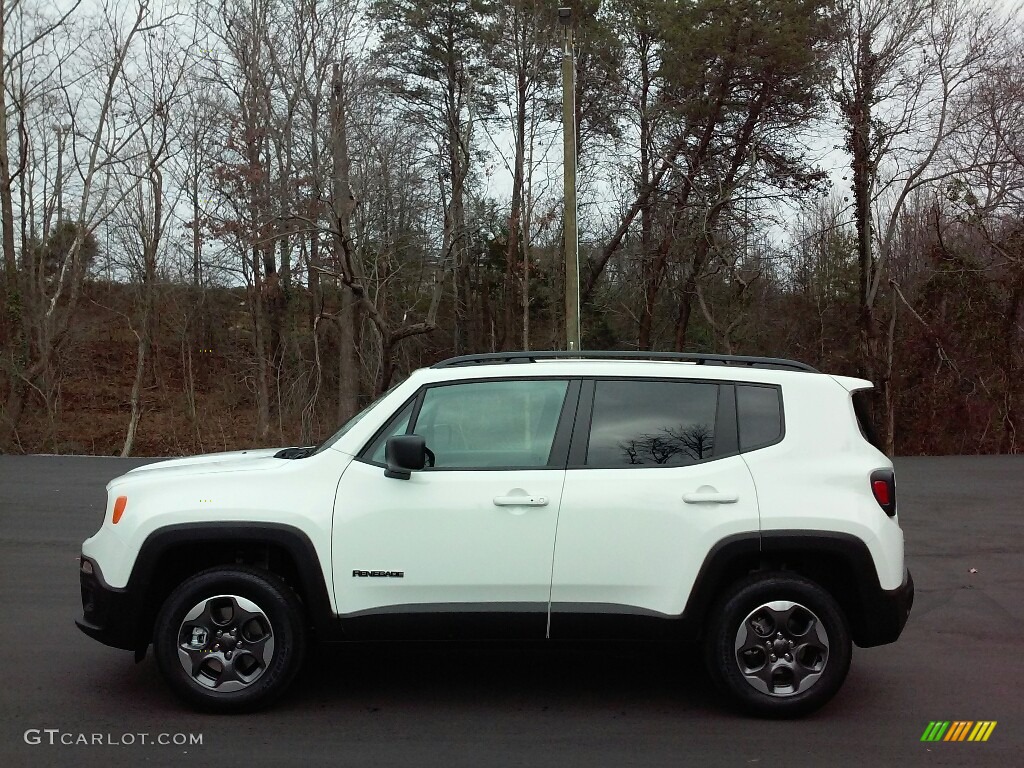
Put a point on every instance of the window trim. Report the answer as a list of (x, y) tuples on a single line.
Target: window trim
[(782, 416), (581, 433), (728, 416), (557, 456), (372, 444)]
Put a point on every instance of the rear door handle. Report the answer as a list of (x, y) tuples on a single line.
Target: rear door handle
[(702, 496), (521, 501)]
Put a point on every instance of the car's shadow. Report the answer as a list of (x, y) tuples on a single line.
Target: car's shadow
[(505, 673), (432, 679)]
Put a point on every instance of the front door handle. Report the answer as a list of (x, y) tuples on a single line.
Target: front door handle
[(524, 500), (708, 495)]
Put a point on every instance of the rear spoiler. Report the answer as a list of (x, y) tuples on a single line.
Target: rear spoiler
[(860, 393), (851, 384)]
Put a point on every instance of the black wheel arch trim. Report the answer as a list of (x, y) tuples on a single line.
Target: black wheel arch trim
[(123, 618), (876, 616)]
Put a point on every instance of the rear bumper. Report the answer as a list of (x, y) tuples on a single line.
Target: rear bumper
[(885, 614), (108, 614)]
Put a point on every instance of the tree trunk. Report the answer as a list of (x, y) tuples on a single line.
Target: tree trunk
[(6, 197), (136, 405), (11, 312), (514, 249), (256, 306), (890, 390), (11, 415), (197, 238), (858, 112), (459, 252), (150, 252), (348, 371), (648, 255), (1010, 366), (652, 286), (683, 319), (312, 271), (342, 207)]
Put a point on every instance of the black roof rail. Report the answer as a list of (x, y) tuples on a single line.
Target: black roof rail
[(497, 358)]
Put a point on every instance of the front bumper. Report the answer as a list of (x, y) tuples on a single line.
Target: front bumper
[(109, 615), (886, 613)]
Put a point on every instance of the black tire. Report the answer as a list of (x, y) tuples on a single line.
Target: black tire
[(266, 646), (800, 671)]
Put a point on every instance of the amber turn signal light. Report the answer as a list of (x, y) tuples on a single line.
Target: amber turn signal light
[(119, 505)]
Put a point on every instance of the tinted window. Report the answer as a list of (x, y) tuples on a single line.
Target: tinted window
[(652, 423), (862, 408), (760, 416), (491, 424)]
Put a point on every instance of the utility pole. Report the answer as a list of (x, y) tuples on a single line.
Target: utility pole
[(572, 257)]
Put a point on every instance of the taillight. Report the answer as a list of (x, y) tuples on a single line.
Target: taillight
[(881, 491), (883, 488)]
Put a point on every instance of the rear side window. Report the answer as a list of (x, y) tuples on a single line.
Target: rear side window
[(759, 409), (652, 423)]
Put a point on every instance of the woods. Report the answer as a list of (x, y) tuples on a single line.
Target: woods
[(235, 223)]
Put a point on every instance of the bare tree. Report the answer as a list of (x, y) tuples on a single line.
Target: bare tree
[(522, 57), (902, 69), (433, 61), (141, 223), (98, 135)]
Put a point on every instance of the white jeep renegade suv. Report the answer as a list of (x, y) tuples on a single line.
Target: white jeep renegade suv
[(732, 501)]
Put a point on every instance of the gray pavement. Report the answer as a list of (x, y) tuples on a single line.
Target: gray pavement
[(960, 658)]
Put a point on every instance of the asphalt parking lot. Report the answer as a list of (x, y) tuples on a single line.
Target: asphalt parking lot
[(960, 658)]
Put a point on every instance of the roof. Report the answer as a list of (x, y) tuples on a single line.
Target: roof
[(497, 358)]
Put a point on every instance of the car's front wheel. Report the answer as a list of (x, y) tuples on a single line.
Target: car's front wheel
[(230, 639), (778, 645)]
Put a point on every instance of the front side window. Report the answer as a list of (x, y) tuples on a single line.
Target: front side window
[(491, 424), (652, 423)]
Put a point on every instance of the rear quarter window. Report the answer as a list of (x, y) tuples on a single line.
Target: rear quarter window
[(759, 411), (862, 402)]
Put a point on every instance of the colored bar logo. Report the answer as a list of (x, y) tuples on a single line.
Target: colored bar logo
[(958, 730)]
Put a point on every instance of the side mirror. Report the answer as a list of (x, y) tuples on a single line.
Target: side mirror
[(404, 453)]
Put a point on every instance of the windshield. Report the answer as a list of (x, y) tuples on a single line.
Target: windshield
[(353, 421)]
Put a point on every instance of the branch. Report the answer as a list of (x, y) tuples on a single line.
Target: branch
[(10, 57), (935, 339)]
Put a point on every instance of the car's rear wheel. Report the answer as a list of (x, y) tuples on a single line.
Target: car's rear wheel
[(778, 645), (230, 639)]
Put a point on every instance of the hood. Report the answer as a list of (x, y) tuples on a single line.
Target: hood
[(229, 461)]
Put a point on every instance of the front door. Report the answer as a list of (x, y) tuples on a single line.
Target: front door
[(452, 550)]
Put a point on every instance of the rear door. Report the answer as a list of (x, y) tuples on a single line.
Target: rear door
[(654, 480)]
